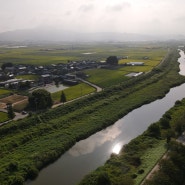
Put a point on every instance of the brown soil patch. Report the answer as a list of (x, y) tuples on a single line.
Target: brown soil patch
[(13, 99)]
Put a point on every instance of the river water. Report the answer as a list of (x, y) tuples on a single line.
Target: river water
[(93, 152)]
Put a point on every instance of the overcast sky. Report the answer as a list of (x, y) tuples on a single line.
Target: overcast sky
[(129, 16)]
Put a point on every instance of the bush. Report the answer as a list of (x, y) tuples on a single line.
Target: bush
[(134, 176), (141, 171)]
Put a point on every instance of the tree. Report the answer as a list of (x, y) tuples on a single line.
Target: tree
[(63, 97), (154, 130), (103, 178), (10, 111), (112, 60), (40, 99), (164, 122)]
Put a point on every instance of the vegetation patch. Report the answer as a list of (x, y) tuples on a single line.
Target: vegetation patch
[(73, 92), (32, 143), (106, 77), (4, 92), (3, 117), (149, 159), (28, 77)]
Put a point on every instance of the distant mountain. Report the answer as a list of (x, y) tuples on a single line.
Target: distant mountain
[(53, 35)]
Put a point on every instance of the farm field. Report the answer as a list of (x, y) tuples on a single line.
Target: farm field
[(150, 54), (49, 54), (28, 77), (73, 92), (108, 77), (3, 117), (18, 102), (4, 92)]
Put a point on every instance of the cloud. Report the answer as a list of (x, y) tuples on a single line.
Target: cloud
[(118, 7), (87, 146), (139, 16), (86, 8)]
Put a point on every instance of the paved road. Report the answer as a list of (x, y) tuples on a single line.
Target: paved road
[(17, 116), (98, 89)]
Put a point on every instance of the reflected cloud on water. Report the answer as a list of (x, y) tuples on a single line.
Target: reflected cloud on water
[(87, 146)]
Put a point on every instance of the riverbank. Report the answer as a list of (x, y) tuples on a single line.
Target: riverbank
[(38, 141), (138, 157)]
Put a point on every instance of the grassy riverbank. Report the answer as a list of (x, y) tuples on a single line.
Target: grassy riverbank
[(30, 144), (139, 156)]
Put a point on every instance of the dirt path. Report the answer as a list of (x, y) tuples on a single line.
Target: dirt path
[(155, 169), (181, 139)]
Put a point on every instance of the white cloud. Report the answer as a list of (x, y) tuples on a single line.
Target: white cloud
[(94, 15)]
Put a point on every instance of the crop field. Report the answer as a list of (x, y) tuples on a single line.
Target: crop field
[(49, 54), (28, 77), (3, 117), (13, 99), (73, 92), (150, 54), (21, 105), (106, 77), (4, 92)]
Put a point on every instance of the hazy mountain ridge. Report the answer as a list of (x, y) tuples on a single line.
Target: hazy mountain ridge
[(62, 35)]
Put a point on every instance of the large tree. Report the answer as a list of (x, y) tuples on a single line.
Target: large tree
[(40, 99), (112, 60)]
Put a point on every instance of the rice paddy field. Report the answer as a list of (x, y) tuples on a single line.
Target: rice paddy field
[(53, 54)]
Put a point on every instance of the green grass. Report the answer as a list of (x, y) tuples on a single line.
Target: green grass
[(28, 77), (3, 117), (4, 92), (149, 158), (106, 77), (74, 92)]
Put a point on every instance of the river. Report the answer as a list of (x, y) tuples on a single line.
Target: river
[(93, 152)]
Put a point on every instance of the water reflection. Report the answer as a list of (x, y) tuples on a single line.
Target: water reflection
[(182, 63), (89, 145), (117, 148)]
